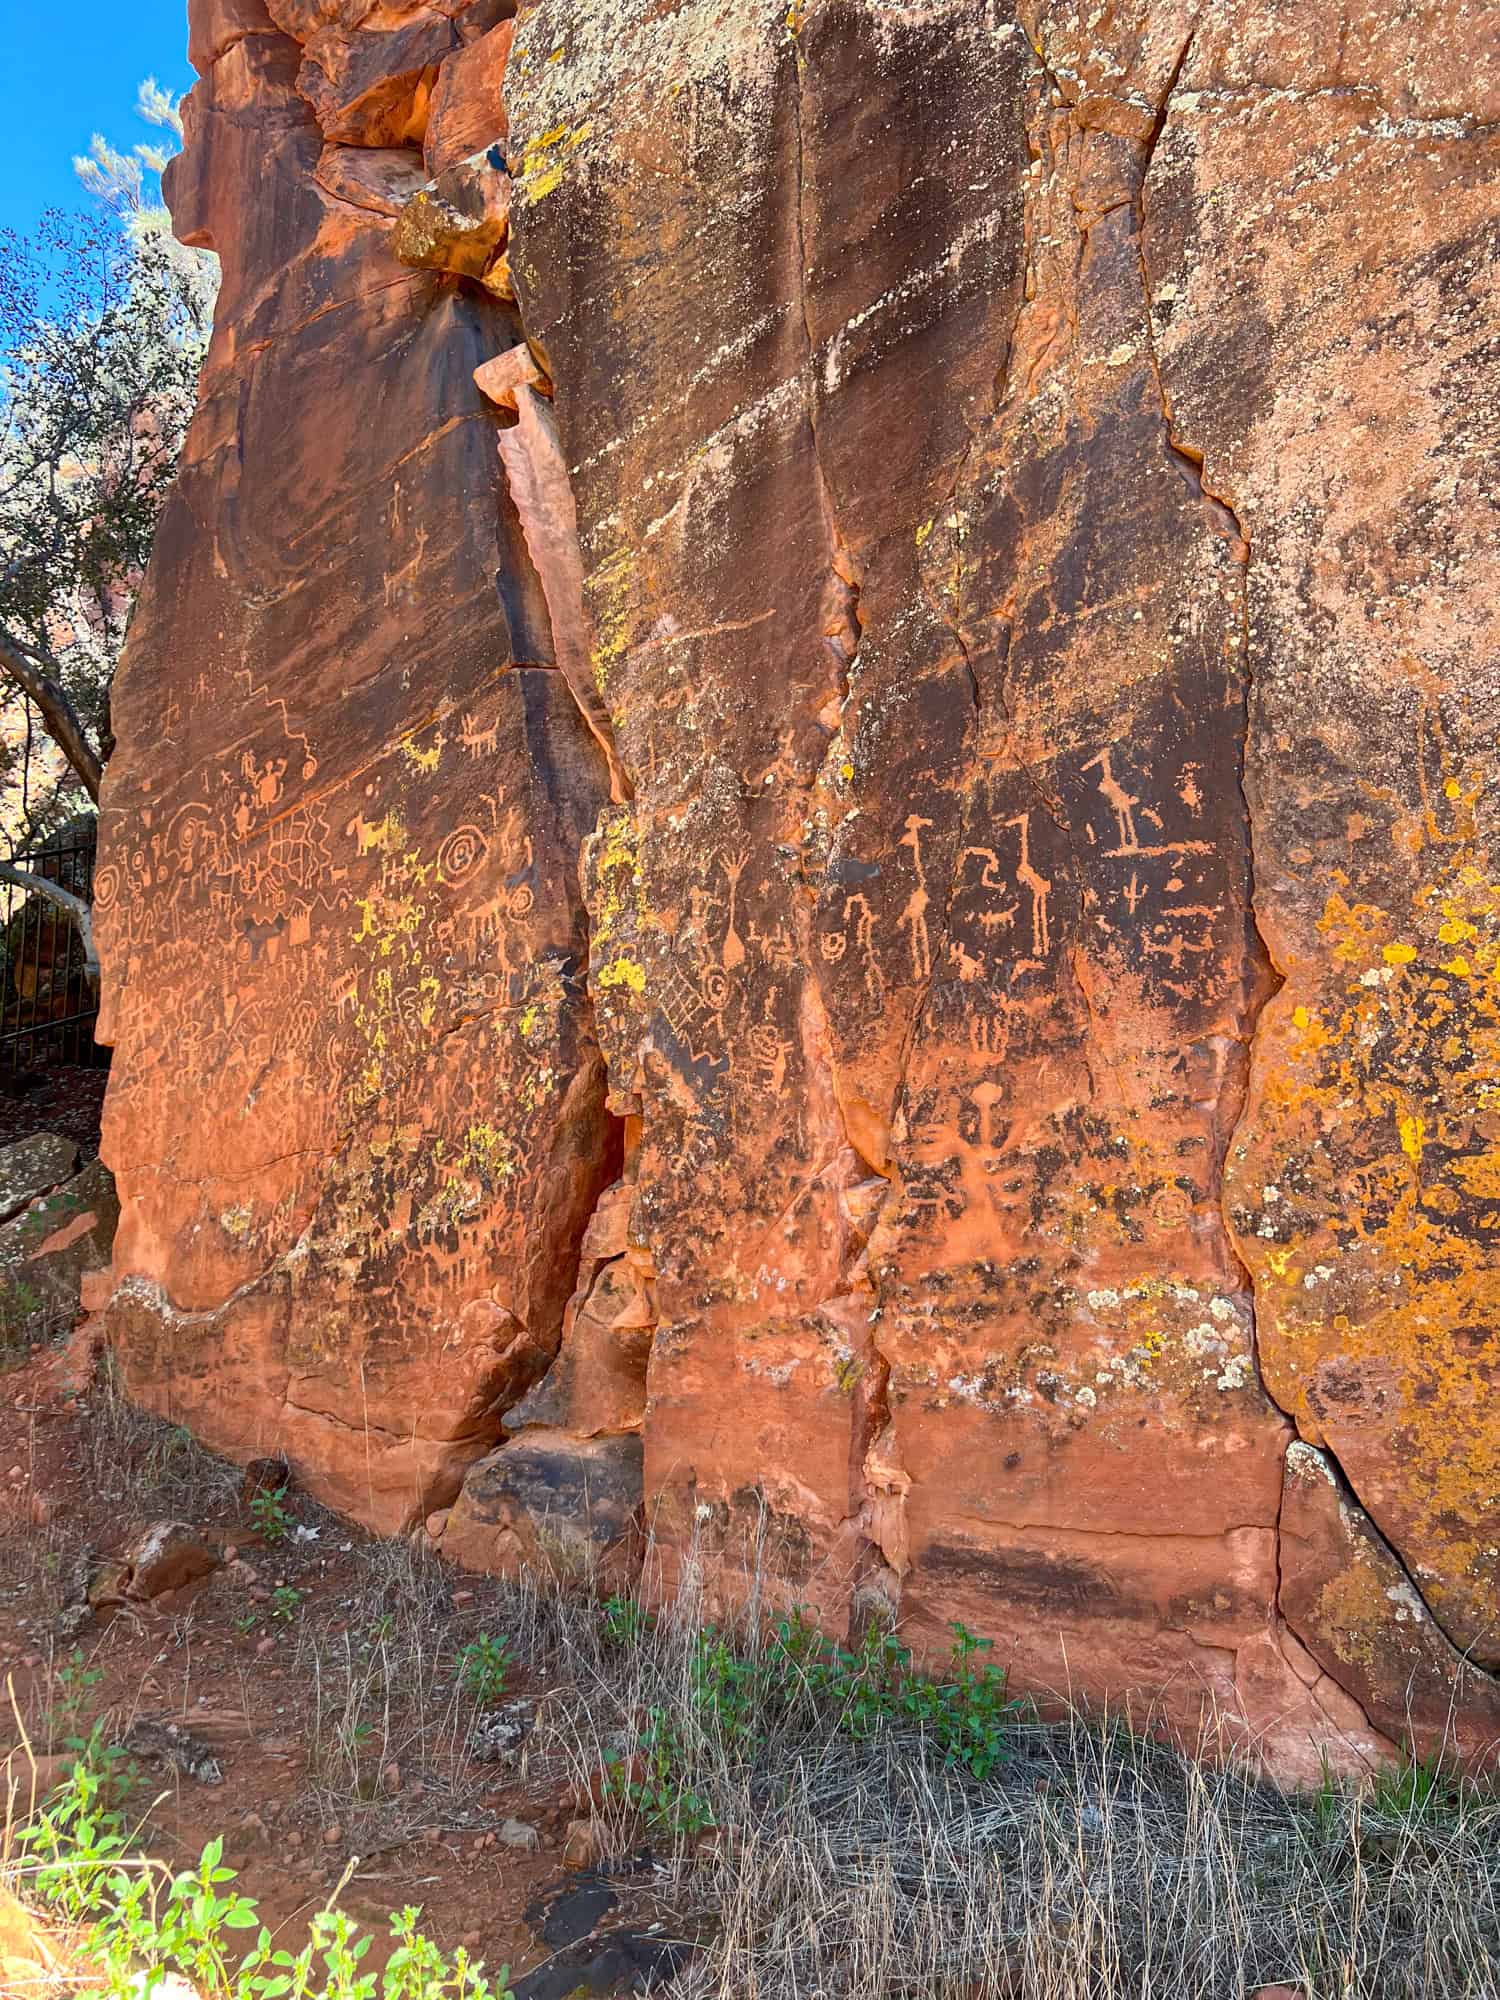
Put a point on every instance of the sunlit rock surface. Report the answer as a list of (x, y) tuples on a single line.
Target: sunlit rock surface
[(873, 945)]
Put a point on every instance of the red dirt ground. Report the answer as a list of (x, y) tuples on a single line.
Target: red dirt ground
[(250, 1691)]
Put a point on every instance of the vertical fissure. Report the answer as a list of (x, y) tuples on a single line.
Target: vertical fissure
[(1227, 522)]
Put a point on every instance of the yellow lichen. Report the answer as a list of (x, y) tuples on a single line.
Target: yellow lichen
[(426, 760), (544, 158), (1389, 1117), (608, 588), (624, 972)]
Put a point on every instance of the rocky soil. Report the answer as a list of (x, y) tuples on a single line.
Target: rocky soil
[(300, 1695)]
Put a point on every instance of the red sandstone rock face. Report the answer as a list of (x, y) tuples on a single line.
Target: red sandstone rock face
[(468, 110), (968, 812), (341, 867)]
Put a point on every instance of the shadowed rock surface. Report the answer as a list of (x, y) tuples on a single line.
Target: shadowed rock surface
[(874, 942)]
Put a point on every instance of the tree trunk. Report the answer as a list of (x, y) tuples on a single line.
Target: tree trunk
[(76, 907), (59, 717)]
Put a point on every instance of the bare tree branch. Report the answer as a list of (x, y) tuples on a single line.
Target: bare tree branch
[(75, 906), (59, 716)]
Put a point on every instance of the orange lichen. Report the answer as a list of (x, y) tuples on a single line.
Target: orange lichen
[(1354, 1616), (1382, 1083)]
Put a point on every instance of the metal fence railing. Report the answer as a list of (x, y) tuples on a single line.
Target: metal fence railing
[(48, 1003)]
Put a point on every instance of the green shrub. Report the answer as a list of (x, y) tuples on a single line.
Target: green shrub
[(76, 1681), (739, 1700), (268, 1512), (655, 1781), (144, 1923), (625, 1621), (484, 1666)]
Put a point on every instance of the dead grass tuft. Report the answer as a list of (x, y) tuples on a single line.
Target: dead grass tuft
[(1093, 1864), (813, 1860), (142, 1460)]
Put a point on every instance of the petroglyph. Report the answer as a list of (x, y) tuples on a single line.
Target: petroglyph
[(774, 899)]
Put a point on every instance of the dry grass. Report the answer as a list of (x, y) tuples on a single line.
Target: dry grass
[(1132, 1874), (386, 1692), (25, 1327), (148, 1464), (1092, 1864)]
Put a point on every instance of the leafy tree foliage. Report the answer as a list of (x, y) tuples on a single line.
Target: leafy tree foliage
[(103, 323)]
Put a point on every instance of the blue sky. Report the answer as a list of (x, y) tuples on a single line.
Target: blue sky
[(72, 69)]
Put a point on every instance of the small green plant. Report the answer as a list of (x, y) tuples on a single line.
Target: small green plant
[(76, 1681), (143, 1923), (79, 1835), (967, 1715), (416, 1969), (190, 1930), (268, 1512), (184, 1930), (1326, 1802), (484, 1665), (726, 1689), (286, 1602), (116, 1773), (246, 1623), (1418, 1789), (654, 1781), (625, 1621), (801, 1661), (355, 1738)]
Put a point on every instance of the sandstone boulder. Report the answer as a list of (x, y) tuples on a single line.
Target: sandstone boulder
[(163, 1570), (51, 1250), (382, 179), (459, 223), (550, 1501), (503, 375), (165, 1560), (215, 26), (467, 112), (1347, 1597), (952, 604), (32, 1167), (356, 1249), (369, 82), (358, 102)]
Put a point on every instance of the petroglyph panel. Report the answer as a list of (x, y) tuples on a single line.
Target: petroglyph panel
[(927, 626), (357, 1108), (883, 955)]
